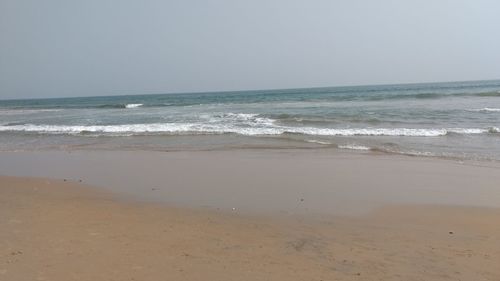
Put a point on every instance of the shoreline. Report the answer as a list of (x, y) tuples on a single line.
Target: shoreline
[(142, 144), (285, 182), (57, 230)]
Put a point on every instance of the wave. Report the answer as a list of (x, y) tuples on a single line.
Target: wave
[(291, 101), (465, 131), (488, 94), (408, 96), (114, 106), (25, 111), (493, 130), (405, 96), (319, 142), (105, 106), (487, 109), (286, 100), (249, 119), (223, 128), (354, 147), (133, 105)]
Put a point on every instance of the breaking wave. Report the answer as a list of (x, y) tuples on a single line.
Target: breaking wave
[(258, 126), (111, 106), (133, 105), (487, 109)]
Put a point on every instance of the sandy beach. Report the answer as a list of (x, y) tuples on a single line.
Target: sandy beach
[(61, 229), (249, 141)]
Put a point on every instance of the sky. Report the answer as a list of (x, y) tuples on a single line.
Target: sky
[(99, 47)]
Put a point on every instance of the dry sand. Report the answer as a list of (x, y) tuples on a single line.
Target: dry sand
[(57, 230)]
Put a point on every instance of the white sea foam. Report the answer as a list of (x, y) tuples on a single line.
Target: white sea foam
[(248, 119), (471, 131), (368, 132), (354, 147), (417, 153), (486, 109), (319, 142), (133, 105), (156, 128), (489, 109), (494, 130), (244, 129)]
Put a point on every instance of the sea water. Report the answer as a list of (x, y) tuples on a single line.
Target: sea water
[(458, 119)]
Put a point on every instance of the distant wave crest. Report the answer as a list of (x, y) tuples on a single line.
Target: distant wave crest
[(488, 94), (111, 106), (487, 109), (22, 111), (133, 105)]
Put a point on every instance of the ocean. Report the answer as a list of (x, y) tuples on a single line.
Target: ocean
[(457, 119)]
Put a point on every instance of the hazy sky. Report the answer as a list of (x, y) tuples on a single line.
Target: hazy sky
[(97, 47)]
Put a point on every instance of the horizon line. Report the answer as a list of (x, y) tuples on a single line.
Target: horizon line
[(250, 90)]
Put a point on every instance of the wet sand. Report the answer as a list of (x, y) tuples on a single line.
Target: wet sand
[(269, 181), (61, 230)]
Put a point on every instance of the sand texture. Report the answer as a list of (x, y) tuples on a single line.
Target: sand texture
[(60, 230)]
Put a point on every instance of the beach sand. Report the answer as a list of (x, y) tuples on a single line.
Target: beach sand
[(61, 230)]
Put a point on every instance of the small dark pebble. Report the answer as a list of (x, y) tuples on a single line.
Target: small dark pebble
[(79, 180), (301, 199), (64, 179), (154, 188), (451, 232)]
